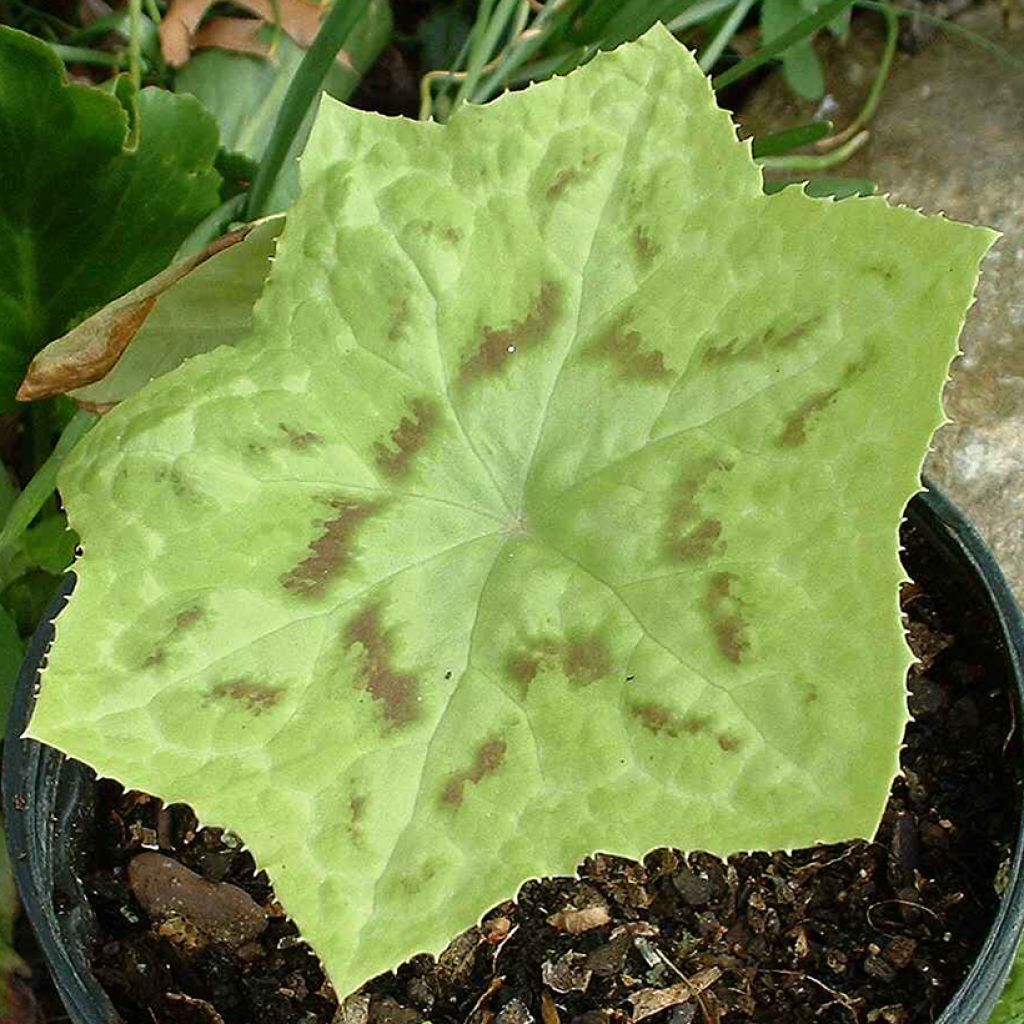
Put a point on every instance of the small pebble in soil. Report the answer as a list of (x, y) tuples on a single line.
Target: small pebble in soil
[(219, 911)]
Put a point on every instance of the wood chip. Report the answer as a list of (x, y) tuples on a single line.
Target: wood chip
[(548, 1010), (241, 35), (198, 1009), (354, 1010), (577, 921), (649, 1001), (569, 973), (496, 930)]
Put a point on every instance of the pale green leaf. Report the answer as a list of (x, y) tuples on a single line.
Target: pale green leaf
[(553, 507)]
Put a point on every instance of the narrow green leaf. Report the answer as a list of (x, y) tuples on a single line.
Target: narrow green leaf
[(245, 92), (300, 98), (785, 141), (553, 506), (770, 51)]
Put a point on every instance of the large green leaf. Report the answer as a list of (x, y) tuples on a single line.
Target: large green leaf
[(552, 507), (86, 213)]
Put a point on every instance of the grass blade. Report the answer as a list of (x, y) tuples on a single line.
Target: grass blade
[(778, 143), (309, 78), (801, 30)]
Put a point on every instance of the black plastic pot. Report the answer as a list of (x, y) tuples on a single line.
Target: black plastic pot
[(47, 801)]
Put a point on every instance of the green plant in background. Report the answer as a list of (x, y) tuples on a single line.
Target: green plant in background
[(142, 168), (371, 589), (244, 92)]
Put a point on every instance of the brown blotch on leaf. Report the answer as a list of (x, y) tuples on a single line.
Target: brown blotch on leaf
[(644, 245), (563, 179), (490, 756), (356, 811), (300, 440), (407, 439), (399, 319), (568, 176), (447, 233), (156, 658), (774, 339), (886, 273), (690, 536), (729, 744), (794, 431), (523, 669), (500, 344), (625, 349), (727, 619), (332, 551), (584, 661), (396, 692), (581, 659), (254, 697), (188, 617), (660, 721)]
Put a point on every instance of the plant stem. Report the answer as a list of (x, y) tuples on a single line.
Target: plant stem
[(711, 53), (867, 112), (695, 13), (38, 490), (804, 28), (83, 55), (815, 162), (309, 78), (555, 12), (135, 43)]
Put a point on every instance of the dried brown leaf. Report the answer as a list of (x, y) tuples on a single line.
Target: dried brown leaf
[(649, 1001), (548, 1009), (180, 31), (576, 921), (89, 351), (177, 28), (240, 35)]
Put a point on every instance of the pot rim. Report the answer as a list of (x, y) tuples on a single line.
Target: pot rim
[(29, 766)]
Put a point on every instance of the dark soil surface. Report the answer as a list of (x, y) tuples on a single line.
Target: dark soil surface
[(876, 932)]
